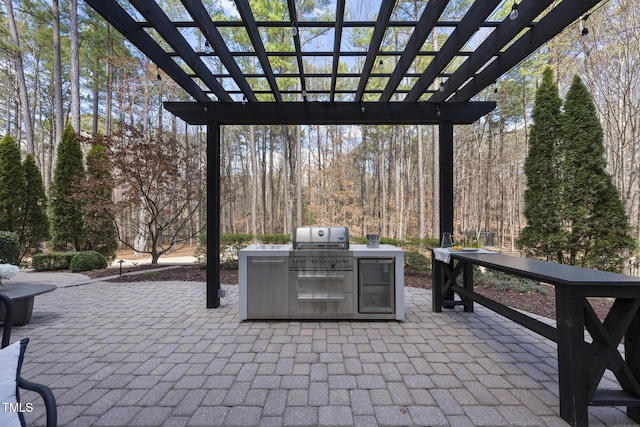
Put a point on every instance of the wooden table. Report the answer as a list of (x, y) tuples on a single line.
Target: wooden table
[(581, 364), (22, 296)]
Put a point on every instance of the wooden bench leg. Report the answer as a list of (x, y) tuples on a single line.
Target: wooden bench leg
[(468, 284), (438, 279), (572, 375), (632, 357)]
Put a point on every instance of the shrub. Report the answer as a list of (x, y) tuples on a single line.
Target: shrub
[(416, 244), (201, 251), (52, 261), (9, 247), (394, 242), (503, 281), (230, 244), (357, 240), (416, 262), (274, 239), (87, 260), (67, 223)]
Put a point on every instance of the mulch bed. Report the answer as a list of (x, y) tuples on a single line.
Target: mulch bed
[(543, 305)]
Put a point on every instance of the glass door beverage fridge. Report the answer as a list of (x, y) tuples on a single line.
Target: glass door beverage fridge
[(376, 285)]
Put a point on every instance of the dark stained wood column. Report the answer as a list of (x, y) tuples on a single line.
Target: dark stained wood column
[(213, 215), (446, 177)]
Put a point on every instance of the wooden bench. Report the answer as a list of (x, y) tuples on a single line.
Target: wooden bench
[(581, 364), (22, 296)]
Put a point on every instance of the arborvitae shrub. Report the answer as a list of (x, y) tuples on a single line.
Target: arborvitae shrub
[(9, 247)]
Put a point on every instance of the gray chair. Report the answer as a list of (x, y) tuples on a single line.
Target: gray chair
[(42, 390)]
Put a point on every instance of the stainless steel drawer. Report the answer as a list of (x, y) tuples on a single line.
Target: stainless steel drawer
[(321, 281), (322, 305)]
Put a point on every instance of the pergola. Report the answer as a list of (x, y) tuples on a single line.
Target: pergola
[(325, 78)]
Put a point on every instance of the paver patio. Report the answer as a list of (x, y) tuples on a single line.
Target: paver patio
[(151, 354)]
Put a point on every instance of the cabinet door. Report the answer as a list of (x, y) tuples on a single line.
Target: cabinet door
[(376, 286), (267, 287)]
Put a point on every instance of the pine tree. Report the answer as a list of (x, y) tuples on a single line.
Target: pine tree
[(66, 201), (596, 222), (98, 204), (542, 237), (12, 185), (35, 223)]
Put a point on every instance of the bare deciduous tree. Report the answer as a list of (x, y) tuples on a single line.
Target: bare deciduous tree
[(161, 177)]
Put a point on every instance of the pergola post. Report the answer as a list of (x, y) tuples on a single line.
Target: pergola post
[(213, 215), (446, 177)]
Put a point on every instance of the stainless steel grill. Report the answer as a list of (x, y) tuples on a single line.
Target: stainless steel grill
[(320, 248), (321, 276)]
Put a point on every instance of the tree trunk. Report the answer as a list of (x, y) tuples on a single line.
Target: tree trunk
[(435, 168), (96, 95), (75, 65), (265, 133), (57, 74), (421, 225), (286, 212), (108, 107), (298, 177), (272, 186), (146, 101), (254, 179), (22, 84)]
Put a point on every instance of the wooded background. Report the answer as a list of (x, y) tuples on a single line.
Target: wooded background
[(63, 64)]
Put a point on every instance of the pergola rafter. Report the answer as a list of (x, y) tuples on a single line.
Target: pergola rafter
[(337, 41), (252, 29), (476, 14), (386, 8), (547, 28), (429, 17)]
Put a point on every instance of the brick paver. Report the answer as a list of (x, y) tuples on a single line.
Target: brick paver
[(150, 353)]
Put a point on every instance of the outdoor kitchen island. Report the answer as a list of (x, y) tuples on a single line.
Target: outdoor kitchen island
[(358, 283)]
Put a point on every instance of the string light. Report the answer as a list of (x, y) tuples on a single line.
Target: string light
[(585, 30), (514, 11), (294, 31)]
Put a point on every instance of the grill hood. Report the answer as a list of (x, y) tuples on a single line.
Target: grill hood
[(321, 238)]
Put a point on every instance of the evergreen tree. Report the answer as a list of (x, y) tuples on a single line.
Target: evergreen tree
[(542, 237), (98, 204), (595, 219), (34, 222), (12, 185), (66, 202)]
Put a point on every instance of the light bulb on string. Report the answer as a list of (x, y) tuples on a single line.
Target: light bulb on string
[(585, 30), (514, 11)]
